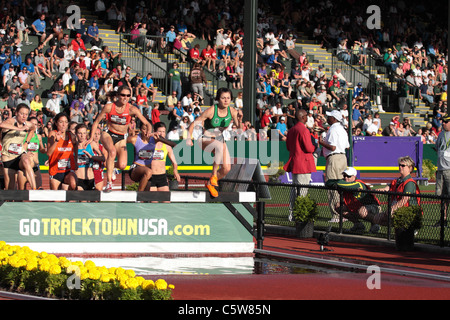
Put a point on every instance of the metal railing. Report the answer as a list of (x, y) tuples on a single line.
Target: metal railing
[(352, 74), (135, 52), (144, 54), (367, 74), (276, 208)]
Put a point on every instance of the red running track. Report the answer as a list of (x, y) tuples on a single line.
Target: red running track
[(319, 286)]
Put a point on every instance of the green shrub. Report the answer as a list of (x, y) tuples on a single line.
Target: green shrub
[(305, 209), (407, 217)]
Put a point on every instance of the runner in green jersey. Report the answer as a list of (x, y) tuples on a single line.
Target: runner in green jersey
[(215, 120)]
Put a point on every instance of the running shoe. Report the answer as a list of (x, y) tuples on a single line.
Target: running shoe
[(108, 187), (214, 181), (212, 190), (114, 175)]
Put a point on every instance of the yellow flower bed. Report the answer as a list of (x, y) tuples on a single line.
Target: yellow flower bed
[(28, 271)]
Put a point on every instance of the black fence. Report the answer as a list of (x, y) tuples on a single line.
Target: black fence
[(276, 208)]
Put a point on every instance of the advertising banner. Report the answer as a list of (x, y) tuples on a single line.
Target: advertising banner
[(123, 227)]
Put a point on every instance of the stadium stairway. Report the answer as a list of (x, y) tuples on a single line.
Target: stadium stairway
[(321, 57)]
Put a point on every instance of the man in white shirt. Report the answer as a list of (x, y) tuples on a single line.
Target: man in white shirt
[(54, 105), (186, 102), (343, 82), (335, 143), (22, 30), (334, 147), (8, 74)]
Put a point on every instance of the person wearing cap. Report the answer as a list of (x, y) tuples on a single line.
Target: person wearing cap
[(301, 160), (379, 94), (334, 146), (282, 128), (389, 131), (22, 30), (8, 74), (290, 46), (92, 35), (388, 60), (78, 43), (443, 164), (358, 90), (357, 205)]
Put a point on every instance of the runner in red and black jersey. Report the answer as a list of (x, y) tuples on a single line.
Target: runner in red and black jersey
[(118, 116)]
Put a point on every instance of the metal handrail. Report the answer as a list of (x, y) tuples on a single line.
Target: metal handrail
[(143, 64), (356, 76)]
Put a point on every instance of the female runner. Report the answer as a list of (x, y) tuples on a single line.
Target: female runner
[(98, 166), (140, 170), (159, 178), (215, 120), (15, 140), (85, 159), (61, 148), (118, 116), (34, 147)]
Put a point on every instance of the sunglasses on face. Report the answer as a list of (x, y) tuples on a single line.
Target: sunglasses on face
[(402, 165), (125, 95), (446, 121)]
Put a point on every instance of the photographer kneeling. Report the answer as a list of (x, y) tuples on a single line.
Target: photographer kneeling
[(357, 205)]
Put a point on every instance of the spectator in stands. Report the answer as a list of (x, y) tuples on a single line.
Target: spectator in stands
[(426, 92), (389, 131), (100, 9), (39, 28), (155, 115), (343, 52), (178, 111), (171, 101), (170, 38), (198, 79), (142, 102), (175, 77), (22, 30), (78, 43), (92, 35), (389, 60), (149, 86), (187, 101)]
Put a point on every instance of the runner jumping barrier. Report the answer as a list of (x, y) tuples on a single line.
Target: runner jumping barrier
[(125, 223)]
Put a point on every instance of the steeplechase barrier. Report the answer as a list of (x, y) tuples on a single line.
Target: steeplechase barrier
[(132, 223)]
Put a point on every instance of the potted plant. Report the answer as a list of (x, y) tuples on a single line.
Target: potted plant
[(429, 170), (406, 220), (173, 183), (305, 211)]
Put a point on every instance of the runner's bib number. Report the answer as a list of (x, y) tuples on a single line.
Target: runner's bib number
[(15, 148), (64, 164), (119, 120)]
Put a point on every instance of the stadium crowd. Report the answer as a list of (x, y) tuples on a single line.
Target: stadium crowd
[(86, 74)]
